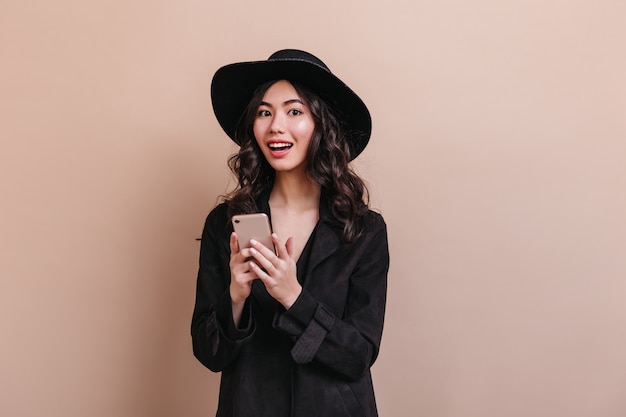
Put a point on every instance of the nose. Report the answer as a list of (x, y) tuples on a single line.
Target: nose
[(278, 123)]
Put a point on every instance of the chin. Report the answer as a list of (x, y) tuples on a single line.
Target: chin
[(287, 168)]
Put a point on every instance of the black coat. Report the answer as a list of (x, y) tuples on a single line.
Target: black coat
[(313, 359)]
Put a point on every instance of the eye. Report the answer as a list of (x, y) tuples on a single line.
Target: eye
[(263, 113), (295, 112)]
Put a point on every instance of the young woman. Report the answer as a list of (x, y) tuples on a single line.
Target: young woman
[(294, 330)]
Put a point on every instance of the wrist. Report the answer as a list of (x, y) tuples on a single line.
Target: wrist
[(287, 303), (237, 310), (235, 298)]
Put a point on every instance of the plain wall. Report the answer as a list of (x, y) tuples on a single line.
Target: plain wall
[(497, 160)]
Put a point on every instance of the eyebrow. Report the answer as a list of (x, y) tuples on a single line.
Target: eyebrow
[(286, 103)]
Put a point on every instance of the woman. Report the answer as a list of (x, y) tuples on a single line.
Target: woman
[(294, 330)]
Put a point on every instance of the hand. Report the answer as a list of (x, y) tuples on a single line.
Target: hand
[(277, 270), (241, 276)]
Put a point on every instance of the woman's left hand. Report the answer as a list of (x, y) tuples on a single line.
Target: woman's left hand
[(278, 272)]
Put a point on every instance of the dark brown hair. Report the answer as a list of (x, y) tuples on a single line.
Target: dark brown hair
[(328, 157)]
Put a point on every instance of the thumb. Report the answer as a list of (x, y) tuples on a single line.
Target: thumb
[(289, 246), (234, 243)]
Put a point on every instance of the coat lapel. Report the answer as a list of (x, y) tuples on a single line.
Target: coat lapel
[(327, 239)]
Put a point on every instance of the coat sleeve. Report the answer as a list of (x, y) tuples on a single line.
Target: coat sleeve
[(348, 345), (216, 339)]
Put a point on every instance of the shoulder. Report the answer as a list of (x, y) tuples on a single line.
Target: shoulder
[(373, 240), (217, 221), (371, 227), (372, 222), (220, 211)]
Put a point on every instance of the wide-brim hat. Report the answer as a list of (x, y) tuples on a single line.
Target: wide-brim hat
[(233, 86)]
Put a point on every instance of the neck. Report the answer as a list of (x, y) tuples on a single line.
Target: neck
[(295, 192)]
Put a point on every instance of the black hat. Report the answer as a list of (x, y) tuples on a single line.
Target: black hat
[(233, 86)]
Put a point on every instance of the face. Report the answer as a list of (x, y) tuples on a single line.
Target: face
[(283, 127)]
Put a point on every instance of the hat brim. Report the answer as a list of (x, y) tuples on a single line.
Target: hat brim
[(233, 86)]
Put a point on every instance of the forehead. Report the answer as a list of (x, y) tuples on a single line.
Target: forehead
[(281, 91)]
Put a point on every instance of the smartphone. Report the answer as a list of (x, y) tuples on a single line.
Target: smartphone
[(253, 226)]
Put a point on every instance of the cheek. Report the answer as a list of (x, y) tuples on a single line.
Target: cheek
[(305, 129), (257, 129)]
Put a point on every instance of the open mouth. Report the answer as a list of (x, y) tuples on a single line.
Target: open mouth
[(279, 146)]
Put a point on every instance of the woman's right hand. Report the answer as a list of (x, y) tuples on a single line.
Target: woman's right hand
[(241, 276)]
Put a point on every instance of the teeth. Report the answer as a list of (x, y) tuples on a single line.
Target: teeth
[(280, 145)]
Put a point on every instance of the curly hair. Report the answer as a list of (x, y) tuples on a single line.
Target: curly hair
[(328, 163)]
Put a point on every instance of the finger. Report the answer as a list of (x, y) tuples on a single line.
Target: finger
[(260, 273), (262, 249), (289, 247), (234, 243), (262, 261), (238, 259), (281, 250), (240, 267), (248, 276)]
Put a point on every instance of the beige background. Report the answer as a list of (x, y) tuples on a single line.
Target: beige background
[(497, 159)]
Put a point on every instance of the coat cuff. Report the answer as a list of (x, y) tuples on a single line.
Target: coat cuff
[(309, 321), (225, 320)]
